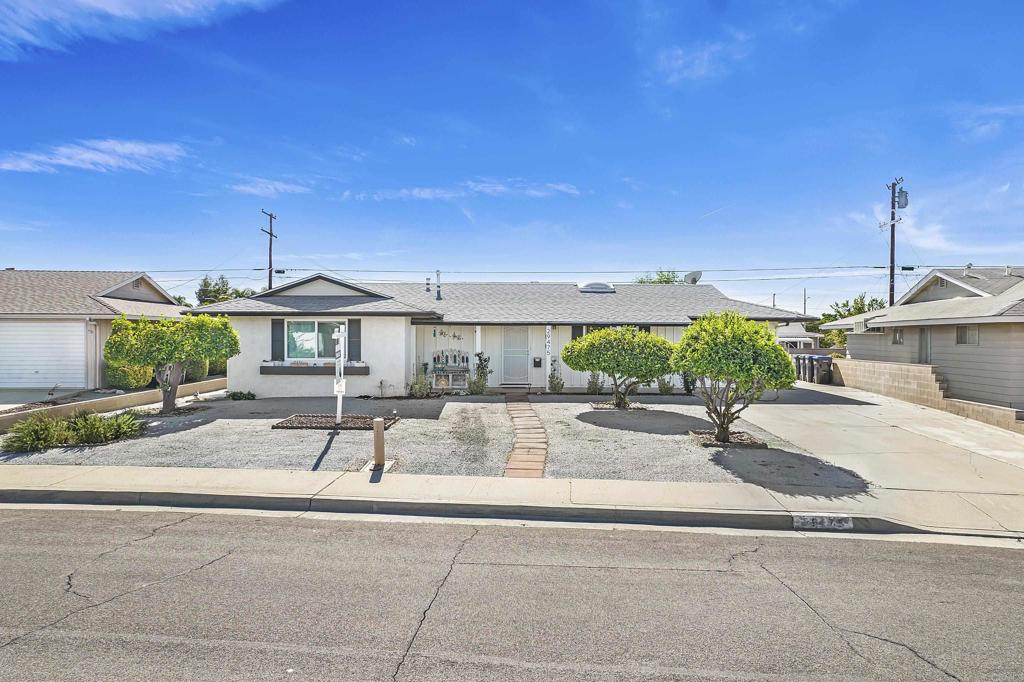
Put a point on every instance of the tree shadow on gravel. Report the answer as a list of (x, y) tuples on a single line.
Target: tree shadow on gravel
[(657, 422), (791, 473)]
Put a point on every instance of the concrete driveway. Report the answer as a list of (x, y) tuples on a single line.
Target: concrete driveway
[(895, 444), (16, 397)]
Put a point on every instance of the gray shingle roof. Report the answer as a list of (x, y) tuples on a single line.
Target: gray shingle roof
[(69, 292), (990, 280), (795, 330), (304, 305), (515, 303)]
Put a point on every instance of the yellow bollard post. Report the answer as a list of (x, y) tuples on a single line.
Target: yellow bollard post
[(378, 444)]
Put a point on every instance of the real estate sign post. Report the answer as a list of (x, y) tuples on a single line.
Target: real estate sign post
[(340, 346)]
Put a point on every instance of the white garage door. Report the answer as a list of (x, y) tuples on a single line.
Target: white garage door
[(41, 354)]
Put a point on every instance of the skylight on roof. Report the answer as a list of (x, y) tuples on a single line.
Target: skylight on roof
[(595, 288)]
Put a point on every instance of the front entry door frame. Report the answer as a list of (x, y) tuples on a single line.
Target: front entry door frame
[(515, 355), (924, 346)]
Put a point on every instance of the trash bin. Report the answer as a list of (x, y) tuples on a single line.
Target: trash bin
[(823, 369), (800, 366), (810, 368)]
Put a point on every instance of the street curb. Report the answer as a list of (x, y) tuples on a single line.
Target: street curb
[(708, 518)]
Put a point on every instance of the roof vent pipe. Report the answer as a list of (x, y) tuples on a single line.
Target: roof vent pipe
[(967, 268), (428, 285), (1009, 270), (438, 274)]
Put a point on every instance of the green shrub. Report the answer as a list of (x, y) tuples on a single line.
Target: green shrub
[(37, 433), (595, 384), (218, 366), (665, 385), (420, 387), (85, 428), (242, 395), (555, 381), (478, 384), (196, 369), (128, 377), (628, 356)]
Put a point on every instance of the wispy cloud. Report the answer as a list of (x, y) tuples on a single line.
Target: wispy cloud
[(262, 187), (95, 155), (700, 61), (986, 122), (27, 25), (512, 187), (17, 227), (406, 140)]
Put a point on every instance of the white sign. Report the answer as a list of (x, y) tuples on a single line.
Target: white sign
[(340, 351)]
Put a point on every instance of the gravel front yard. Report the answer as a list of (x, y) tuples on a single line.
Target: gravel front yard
[(649, 444), (457, 436)]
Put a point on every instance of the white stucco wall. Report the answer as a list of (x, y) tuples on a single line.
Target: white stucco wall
[(384, 350)]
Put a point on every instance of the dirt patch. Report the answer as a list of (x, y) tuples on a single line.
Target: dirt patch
[(737, 439), (177, 412), (325, 422)]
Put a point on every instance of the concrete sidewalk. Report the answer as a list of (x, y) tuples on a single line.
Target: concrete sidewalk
[(684, 504)]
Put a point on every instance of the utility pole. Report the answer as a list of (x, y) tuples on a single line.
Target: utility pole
[(773, 300), (898, 197), (805, 300), (270, 247)]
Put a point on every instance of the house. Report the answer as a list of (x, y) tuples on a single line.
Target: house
[(793, 336), (396, 330), (962, 328), (54, 323)]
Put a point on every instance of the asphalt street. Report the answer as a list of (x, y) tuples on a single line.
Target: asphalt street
[(118, 595)]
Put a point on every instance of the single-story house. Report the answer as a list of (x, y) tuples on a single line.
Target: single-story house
[(793, 336), (54, 323), (966, 324), (397, 330)]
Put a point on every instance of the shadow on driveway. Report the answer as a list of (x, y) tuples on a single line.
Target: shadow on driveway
[(795, 396), (791, 473)]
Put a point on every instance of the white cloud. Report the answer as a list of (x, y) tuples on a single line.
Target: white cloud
[(702, 60), (986, 122), (483, 187), (407, 140), (95, 155), (262, 187), (27, 25)]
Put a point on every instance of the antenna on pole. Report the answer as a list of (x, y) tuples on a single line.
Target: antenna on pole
[(270, 247)]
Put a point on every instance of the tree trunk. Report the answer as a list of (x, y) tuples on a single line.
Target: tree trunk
[(169, 378), (722, 433)]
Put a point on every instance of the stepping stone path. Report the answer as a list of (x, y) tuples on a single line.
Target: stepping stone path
[(530, 445)]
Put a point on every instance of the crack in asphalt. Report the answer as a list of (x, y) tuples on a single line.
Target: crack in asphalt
[(94, 605), (843, 632), (430, 604), (69, 586), (734, 556)]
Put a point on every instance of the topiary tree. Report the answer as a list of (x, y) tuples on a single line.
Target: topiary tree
[(167, 344), (127, 377), (628, 356), (736, 360)]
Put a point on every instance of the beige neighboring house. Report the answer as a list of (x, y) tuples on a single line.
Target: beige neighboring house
[(963, 328), (793, 336), (54, 323), (397, 330)]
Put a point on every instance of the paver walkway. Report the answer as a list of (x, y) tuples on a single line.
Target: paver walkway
[(530, 444)]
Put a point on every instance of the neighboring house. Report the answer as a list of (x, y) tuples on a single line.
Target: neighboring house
[(966, 324), (396, 330), (54, 323), (793, 336)]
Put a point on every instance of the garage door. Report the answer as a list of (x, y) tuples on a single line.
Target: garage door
[(41, 354)]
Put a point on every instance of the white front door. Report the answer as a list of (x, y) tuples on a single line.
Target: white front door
[(515, 365)]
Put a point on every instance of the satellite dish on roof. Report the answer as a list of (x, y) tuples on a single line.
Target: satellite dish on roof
[(693, 277)]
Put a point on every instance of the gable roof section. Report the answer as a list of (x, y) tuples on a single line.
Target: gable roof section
[(312, 305), (992, 281), (795, 331), (322, 277), (73, 293)]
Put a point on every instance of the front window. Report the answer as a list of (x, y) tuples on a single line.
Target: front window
[(310, 340), (897, 337)]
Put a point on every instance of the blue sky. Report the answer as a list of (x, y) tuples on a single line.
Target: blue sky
[(542, 136)]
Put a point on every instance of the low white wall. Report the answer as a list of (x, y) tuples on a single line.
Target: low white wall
[(384, 350)]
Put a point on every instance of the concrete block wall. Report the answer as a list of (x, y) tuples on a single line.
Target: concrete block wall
[(920, 384)]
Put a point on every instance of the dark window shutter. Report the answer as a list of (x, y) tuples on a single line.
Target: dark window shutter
[(277, 339), (355, 340), (645, 328), (577, 331)]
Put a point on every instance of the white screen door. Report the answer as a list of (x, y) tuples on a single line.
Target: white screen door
[(515, 366)]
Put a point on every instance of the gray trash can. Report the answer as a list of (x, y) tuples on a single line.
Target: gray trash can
[(801, 367), (823, 369)]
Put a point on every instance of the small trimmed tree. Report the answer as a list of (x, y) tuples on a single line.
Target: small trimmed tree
[(735, 361), (167, 344), (628, 356)]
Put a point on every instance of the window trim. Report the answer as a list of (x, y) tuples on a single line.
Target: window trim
[(316, 332), (968, 328)]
